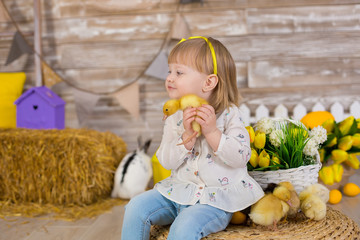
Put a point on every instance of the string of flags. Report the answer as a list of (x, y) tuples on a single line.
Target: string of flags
[(18, 47), (85, 100)]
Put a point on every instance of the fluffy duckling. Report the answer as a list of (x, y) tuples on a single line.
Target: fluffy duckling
[(318, 189), (190, 100), (170, 107), (271, 208), (294, 201), (313, 201), (313, 207)]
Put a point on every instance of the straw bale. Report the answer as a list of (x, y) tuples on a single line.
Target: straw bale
[(50, 211), (70, 167)]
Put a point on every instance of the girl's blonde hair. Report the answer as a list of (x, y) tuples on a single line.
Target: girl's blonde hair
[(196, 53)]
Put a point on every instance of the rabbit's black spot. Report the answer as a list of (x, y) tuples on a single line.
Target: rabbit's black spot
[(126, 166)]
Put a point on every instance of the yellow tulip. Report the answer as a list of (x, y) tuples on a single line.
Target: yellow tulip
[(322, 154), (254, 159), (264, 159), (329, 125), (260, 139), (356, 140), (338, 172), (326, 174), (298, 131), (345, 143), (345, 125), (339, 156), (353, 161), (332, 142), (251, 133), (358, 123), (275, 159)]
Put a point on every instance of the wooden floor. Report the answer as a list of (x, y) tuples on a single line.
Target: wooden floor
[(108, 226)]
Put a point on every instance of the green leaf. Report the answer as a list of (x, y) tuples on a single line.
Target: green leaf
[(330, 137), (354, 150), (273, 167), (353, 128), (249, 167), (337, 131), (286, 154), (298, 159), (287, 165)]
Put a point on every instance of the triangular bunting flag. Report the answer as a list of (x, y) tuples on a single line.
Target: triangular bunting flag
[(159, 67), (191, 1), (85, 103), (18, 47), (128, 98), (50, 77), (3, 15), (180, 28)]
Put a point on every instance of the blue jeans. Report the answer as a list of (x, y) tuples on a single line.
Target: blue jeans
[(187, 221)]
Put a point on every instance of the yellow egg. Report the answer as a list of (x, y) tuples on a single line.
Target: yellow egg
[(335, 196), (351, 189), (314, 119), (238, 218)]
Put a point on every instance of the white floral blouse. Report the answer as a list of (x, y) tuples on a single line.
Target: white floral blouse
[(220, 178)]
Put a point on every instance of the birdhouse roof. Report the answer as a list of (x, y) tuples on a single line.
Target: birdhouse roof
[(45, 93)]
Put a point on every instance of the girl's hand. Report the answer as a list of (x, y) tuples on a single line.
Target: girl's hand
[(188, 117), (207, 120)]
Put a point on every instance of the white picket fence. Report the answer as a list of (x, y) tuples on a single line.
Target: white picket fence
[(337, 109)]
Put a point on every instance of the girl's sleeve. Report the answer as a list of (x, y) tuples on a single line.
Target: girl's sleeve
[(169, 154), (234, 147)]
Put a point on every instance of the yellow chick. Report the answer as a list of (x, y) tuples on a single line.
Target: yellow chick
[(313, 207), (313, 201), (283, 194), (318, 189), (294, 201), (271, 208), (190, 100), (170, 107)]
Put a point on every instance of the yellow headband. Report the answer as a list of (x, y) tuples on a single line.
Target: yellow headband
[(211, 50)]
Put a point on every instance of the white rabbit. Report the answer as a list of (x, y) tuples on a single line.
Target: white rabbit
[(133, 173)]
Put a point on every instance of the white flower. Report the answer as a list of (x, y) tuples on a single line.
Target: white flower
[(311, 148), (265, 125), (318, 134), (276, 137)]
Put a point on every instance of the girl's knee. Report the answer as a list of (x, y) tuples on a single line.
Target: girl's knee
[(135, 207), (186, 227), (184, 231), (199, 222), (140, 201), (150, 207)]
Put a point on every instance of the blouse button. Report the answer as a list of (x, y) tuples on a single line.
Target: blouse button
[(197, 154), (201, 187)]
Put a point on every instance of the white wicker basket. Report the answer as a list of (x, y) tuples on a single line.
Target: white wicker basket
[(300, 177)]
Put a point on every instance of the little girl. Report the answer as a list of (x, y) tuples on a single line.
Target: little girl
[(209, 179)]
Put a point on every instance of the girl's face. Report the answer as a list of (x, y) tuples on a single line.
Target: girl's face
[(184, 80)]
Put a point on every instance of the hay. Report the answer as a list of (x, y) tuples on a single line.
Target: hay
[(336, 225), (60, 168), (50, 211)]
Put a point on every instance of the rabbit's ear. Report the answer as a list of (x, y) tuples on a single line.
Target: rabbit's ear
[(146, 145), (139, 140)]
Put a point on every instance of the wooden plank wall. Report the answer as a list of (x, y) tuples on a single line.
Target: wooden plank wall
[(286, 51)]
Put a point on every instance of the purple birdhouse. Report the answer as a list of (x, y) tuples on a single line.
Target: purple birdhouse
[(40, 108)]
